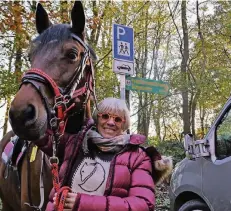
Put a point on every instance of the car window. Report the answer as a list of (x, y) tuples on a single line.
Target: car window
[(223, 137)]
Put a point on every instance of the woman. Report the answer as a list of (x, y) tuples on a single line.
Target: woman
[(105, 168)]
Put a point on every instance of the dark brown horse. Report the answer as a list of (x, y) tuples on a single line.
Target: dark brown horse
[(60, 63)]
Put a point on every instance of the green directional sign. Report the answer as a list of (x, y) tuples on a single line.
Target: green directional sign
[(147, 85)]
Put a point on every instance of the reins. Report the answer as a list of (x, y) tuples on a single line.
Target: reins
[(63, 104)]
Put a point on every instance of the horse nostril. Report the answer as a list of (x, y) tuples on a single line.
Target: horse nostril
[(29, 113), (25, 116)]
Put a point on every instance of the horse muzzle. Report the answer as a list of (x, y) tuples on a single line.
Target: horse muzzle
[(26, 116), (26, 121)]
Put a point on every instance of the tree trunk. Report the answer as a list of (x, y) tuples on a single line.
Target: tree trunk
[(145, 109), (156, 118), (184, 72), (203, 64), (18, 44), (193, 111), (202, 118)]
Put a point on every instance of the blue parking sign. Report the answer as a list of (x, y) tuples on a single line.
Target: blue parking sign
[(123, 43)]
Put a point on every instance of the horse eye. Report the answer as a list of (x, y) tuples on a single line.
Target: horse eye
[(72, 55)]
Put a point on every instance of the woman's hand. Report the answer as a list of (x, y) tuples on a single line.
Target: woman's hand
[(69, 202)]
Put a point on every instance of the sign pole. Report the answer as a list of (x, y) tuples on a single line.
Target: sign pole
[(127, 97), (123, 57), (122, 87)]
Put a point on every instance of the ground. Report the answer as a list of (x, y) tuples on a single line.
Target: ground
[(162, 198)]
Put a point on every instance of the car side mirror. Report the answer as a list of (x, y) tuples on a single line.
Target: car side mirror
[(195, 148), (188, 139), (188, 144)]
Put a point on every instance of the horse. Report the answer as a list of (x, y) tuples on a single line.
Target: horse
[(53, 96)]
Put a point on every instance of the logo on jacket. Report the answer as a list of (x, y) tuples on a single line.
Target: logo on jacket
[(90, 176)]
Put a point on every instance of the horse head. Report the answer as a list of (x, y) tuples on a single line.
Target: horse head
[(60, 77)]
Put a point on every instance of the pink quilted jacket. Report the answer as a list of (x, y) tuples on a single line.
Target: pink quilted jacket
[(130, 186)]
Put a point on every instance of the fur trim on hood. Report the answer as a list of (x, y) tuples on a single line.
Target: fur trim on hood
[(162, 165)]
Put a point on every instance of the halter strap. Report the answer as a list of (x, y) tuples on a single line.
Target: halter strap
[(58, 115), (77, 38), (62, 105), (39, 75)]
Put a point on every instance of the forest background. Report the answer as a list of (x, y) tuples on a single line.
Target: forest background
[(184, 43)]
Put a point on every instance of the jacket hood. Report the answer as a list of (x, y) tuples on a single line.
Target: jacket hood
[(162, 165)]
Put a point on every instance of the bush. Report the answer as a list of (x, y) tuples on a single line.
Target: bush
[(174, 148)]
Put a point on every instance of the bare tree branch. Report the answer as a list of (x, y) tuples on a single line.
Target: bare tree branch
[(3, 104), (103, 57), (173, 20)]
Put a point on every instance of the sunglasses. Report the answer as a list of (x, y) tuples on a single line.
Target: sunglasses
[(106, 116)]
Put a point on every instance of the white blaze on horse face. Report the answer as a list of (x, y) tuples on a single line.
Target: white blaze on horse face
[(120, 31)]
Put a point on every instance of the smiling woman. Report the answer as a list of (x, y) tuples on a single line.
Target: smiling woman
[(103, 164), (112, 117)]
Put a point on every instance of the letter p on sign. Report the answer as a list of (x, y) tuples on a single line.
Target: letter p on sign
[(120, 31)]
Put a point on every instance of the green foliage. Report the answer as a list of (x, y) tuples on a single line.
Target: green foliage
[(8, 86), (172, 148), (157, 55)]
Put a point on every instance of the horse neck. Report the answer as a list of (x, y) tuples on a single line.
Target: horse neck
[(75, 122)]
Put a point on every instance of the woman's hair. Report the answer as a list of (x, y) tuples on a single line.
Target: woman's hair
[(113, 106)]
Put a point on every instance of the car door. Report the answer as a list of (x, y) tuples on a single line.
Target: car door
[(216, 173)]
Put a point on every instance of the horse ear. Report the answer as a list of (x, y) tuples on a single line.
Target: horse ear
[(42, 20), (78, 18)]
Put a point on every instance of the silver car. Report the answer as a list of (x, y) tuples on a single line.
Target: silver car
[(202, 181)]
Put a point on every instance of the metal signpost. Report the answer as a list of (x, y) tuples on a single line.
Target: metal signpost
[(123, 53), (147, 85)]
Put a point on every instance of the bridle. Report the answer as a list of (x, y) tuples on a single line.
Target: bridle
[(63, 101), (63, 98)]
